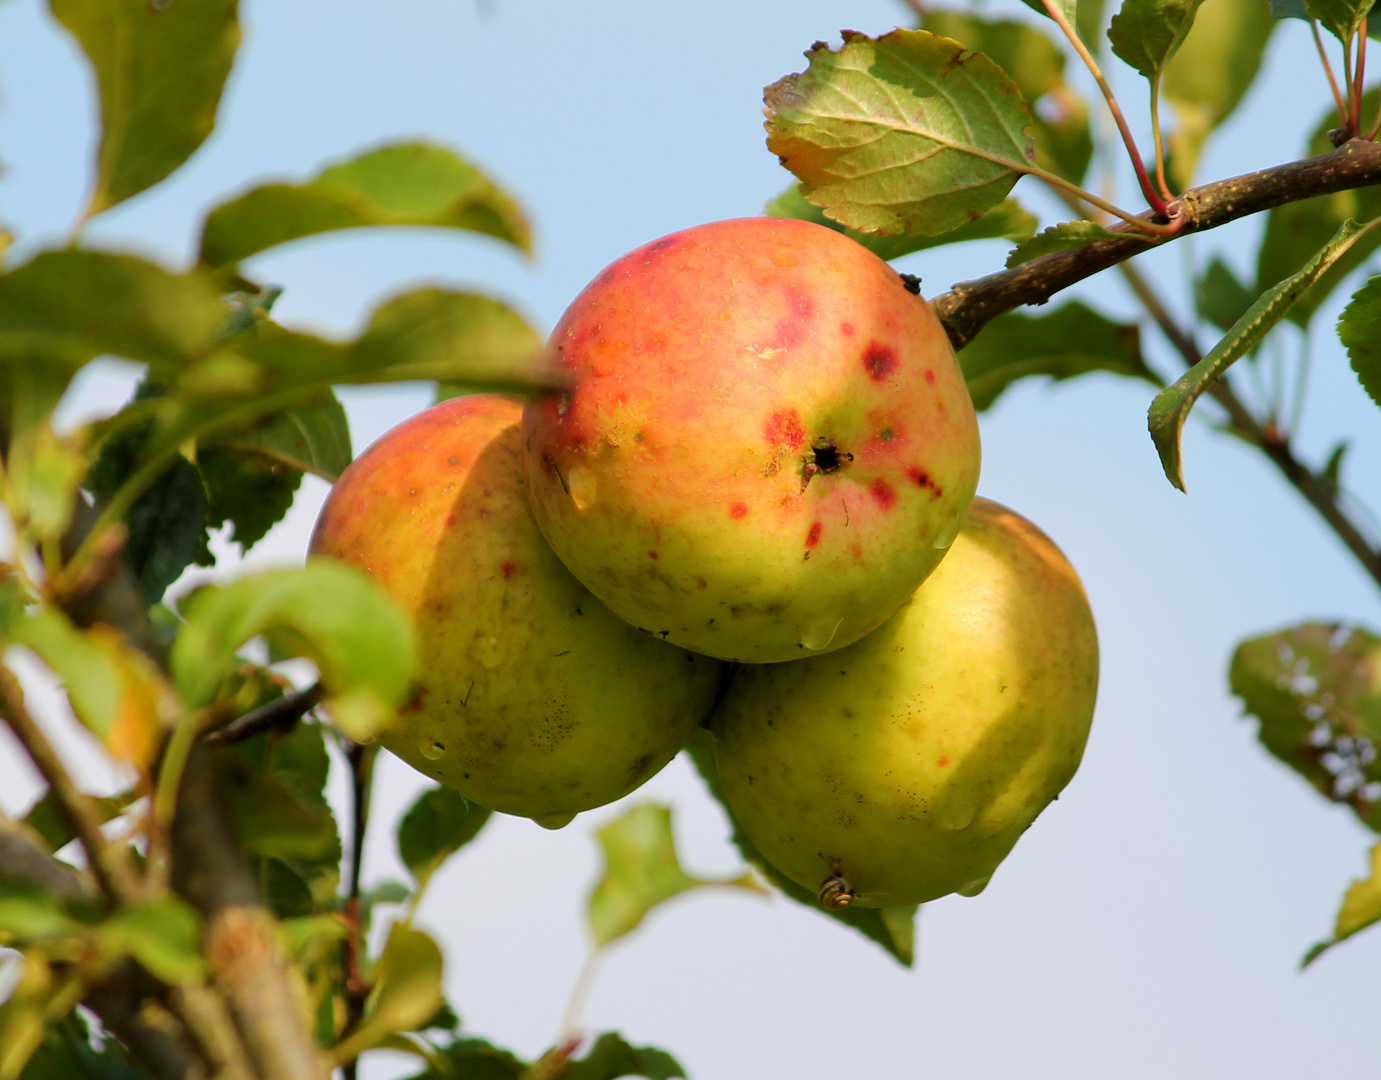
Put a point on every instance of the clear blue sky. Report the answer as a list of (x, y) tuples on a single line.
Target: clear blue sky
[(1150, 925)]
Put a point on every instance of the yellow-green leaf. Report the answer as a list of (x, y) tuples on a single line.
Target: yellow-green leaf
[(407, 992), (641, 870), (403, 184), (906, 133), (160, 68)]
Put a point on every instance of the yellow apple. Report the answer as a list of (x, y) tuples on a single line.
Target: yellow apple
[(533, 698), (905, 766)]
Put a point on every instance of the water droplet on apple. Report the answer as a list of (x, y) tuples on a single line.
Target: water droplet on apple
[(959, 810), (584, 485), (432, 751), (485, 650), (821, 634), (554, 821), (974, 887), (946, 535)]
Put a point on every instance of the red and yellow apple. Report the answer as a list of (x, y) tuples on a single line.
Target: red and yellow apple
[(533, 698), (767, 443), (905, 766)]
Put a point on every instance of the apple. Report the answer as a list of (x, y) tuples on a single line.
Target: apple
[(906, 766), (766, 444), (533, 698)]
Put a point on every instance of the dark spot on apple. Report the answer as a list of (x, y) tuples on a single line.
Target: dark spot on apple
[(920, 477), (882, 494), (653, 555), (450, 519), (661, 245), (887, 435), (879, 361), (738, 510), (455, 461), (783, 428), (813, 537), (508, 568), (930, 376), (664, 634)]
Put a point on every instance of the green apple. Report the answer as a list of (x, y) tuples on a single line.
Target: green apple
[(907, 765), (767, 443), (533, 698)]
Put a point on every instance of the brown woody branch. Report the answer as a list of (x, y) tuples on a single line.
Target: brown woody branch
[(971, 305)]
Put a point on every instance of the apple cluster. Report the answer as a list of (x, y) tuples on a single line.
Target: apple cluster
[(751, 506)]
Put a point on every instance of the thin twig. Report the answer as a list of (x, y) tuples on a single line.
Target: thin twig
[(110, 863), (361, 758), (1320, 493), (283, 712), (1159, 141), (970, 305), (1152, 198), (1328, 70), (1357, 83)]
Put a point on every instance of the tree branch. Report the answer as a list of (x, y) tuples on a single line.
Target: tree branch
[(110, 863), (287, 710), (971, 305), (1320, 493)]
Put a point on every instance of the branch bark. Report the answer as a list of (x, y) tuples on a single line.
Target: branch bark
[(971, 305)]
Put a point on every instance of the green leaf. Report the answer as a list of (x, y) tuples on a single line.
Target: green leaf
[(27, 918), (77, 304), (313, 437), (1359, 328), (1068, 8), (436, 826), (159, 70), (1289, 9), (1035, 63), (1147, 33), (72, 1051), (1296, 230), (1071, 340), (611, 1057), (1209, 75), (1342, 18), (1008, 220), (449, 336), (641, 870), (273, 786), (909, 133), (251, 473), (402, 184), (166, 525), (1171, 406), (1062, 237), (407, 991), (1221, 298), (1361, 908), (892, 928), (327, 611), (164, 935), (475, 1059), (1316, 689)]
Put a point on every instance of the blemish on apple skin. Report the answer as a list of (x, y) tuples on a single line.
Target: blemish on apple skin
[(792, 330), (508, 568), (738, 510), (930, 376), (784, 428), (882, 494), (813, 537), (944, 760), (847, 329), (653, 555), (922, 479), (879, 361)]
